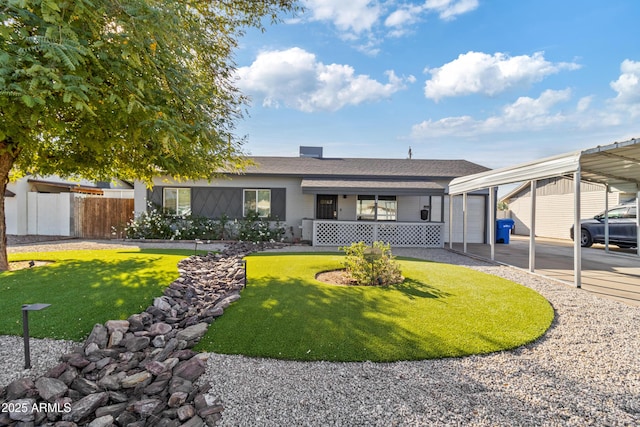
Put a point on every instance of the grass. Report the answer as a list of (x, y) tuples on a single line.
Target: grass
[(84, 288), (439, 311)]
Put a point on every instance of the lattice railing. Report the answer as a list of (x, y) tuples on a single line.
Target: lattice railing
[(398, 234)]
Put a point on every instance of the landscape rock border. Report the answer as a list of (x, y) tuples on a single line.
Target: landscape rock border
[(140, 371)]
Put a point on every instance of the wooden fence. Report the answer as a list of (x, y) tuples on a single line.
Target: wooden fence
[(101, 218)]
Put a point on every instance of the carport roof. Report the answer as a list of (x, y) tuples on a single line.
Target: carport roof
[(617, 165)]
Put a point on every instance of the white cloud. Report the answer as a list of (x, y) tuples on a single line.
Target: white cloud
[(481, 73), (525, 114), (362, 18), (353, 16), (628, 84), (295, 78), (449, 9)]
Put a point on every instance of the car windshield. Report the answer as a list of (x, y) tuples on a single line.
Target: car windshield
[(621, 212)]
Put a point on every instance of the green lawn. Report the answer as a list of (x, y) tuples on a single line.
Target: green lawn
[(84, 288), (439, 311)]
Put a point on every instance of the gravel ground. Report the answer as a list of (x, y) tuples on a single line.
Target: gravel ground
[(584, 371)]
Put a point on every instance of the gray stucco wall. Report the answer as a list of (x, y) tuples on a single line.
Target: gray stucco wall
[(213, 202)]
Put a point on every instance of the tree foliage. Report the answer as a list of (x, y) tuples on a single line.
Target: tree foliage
[(125, 89)]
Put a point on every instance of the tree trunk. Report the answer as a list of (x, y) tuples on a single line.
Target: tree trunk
[(7, 159)]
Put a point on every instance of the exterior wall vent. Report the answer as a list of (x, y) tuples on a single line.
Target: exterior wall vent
[(314, 152)]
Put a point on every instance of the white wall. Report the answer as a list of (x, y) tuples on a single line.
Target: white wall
[(16, 208), (554, 212), (476, 219), (49, 214)]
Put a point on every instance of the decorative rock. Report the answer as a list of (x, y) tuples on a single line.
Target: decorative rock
[(135, 379), (190, 369), (115, 338), (91, 348), (177, 399), (20, 410), (136, 343), (185, 412), (135, 322), (57, 370), (159, 328), (86, 406), (155, 367), (162, 304), (104, 421), (84, 386), (18, 388), (112, 382), (117, 325), (158, 341), (146, 407), (193, 333), (99, 335), (114, 410), (50, 388), (194, 422)]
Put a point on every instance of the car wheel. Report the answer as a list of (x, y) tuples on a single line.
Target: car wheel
[(585, 238)]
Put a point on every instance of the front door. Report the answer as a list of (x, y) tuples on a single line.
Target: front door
[(327, 207)]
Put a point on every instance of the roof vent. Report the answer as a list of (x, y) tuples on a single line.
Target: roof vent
[(314, 152)]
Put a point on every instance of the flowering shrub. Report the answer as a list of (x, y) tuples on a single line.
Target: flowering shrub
[(154, 224), (372, 265), (255, 229)]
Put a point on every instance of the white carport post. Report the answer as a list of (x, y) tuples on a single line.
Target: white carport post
[(637, 220), (464, 222), (606, 218), (532, 228), (492, 221), (450, 221), (577, 254)]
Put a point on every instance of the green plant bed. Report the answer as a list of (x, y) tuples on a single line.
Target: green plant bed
[(84, 288), (440, 310)]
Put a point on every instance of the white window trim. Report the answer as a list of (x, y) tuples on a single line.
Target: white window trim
[(164, 199), (244, 193)]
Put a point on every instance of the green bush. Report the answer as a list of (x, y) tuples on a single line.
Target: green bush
[(255, 229), (372, 265), (155, 224)]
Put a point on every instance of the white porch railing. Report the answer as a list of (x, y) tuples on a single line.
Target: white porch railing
[(398, 234)]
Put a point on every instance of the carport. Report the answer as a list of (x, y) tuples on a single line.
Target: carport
[(616, 166)]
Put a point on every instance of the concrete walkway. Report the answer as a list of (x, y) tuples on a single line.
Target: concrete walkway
[(614, 275)]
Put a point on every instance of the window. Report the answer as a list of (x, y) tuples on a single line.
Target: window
[(377, 208), (387, 208), (257, 201), (177, 201)]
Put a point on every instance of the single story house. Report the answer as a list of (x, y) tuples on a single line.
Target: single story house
[(554, 205), (334, 201)]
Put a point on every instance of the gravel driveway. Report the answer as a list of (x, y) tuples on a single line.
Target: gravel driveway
[(584, 371)]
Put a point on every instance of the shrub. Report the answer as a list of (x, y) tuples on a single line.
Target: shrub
[(154, 224), (255, 229), (372, 265)]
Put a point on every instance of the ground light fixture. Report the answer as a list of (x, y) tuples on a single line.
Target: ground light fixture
[(26, 308)]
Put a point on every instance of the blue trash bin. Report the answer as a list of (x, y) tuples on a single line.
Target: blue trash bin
[(503, 230)]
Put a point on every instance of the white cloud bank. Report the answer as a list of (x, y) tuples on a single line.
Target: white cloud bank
[(296, 79), (355, 19), (551, 110), (481, 73)]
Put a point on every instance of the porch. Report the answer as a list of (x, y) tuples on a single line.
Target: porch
[(398, 234)]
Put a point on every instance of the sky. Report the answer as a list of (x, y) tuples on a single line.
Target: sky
[(494, 82)]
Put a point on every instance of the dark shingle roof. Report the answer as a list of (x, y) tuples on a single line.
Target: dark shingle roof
[(363, 168)]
